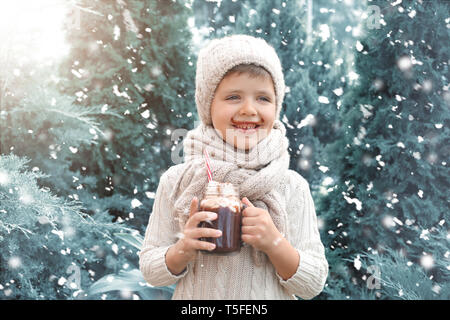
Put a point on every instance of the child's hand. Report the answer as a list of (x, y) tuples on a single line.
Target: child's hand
[(258, 228), (189, 243)]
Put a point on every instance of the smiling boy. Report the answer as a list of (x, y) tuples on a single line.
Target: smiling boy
[(243, 108), (239, 94)]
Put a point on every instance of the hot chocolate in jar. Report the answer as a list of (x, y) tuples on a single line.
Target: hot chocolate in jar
[(223, 199)]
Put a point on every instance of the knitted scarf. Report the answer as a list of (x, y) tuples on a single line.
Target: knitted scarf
[(257, 172)]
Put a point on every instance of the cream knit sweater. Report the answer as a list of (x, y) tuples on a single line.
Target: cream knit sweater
[(237, 277)]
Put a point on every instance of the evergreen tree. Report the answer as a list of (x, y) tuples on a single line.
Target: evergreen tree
[(341, 17), (391, 157), (374, 151), (128, 281), (217, 17), (397, 277), (133, 58), (46, 242), (44, 125), (47, 236)]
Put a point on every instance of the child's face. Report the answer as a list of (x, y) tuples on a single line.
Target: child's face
[(242, 101)]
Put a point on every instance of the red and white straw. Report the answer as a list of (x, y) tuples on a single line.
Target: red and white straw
[(208, 165)]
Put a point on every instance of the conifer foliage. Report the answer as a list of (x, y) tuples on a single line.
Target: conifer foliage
[(47, 242), (84, 142), (133, 58), (391, 158)]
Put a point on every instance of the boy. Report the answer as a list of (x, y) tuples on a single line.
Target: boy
[(239, 93)]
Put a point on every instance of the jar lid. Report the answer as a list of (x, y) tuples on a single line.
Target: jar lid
[(224, 189)]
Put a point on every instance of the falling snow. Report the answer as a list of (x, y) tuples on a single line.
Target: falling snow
[(406, 64), (357, 262), (324, 100), (14, 262), (427, 261), (355, 201), (4, 178), (135, 203)]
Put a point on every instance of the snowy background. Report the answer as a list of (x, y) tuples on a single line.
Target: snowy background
[(92, 94)]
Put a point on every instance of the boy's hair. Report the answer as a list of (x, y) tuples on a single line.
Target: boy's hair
[(253, 70)]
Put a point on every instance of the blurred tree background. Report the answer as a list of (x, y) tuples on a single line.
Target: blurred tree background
[(91, 107)]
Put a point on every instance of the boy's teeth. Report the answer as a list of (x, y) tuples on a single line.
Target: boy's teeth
[(246, 126)]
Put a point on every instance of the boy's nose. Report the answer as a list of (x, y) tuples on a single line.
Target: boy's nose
[(247, 108)]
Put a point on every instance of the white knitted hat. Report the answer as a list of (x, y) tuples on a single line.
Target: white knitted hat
[(220, 55)]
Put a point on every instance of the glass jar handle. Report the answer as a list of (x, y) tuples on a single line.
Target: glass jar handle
[(243, 207)]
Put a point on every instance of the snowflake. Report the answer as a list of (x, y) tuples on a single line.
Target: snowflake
[(323, 99), (135, 203), (323, 169), (76, 74), (148, 87), (339, 61), (59, 233), (427, 261), (401, 145), (357, 202), (309, 120), (304, 164), (357, 262), (150, 195), (427, 85), (4, 178), (359, 46), (423, 234), (388, 221), (116, 32), (62, 281), (277, 241), (156, 71), (14, 262), (338, 92), (404, 63), (324, 32), (73, 149), (353, 76)]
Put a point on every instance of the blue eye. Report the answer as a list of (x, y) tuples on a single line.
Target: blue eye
[(237, 97)]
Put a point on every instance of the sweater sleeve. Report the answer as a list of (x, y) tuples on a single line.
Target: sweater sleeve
[(160, 235), (309, 279)]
